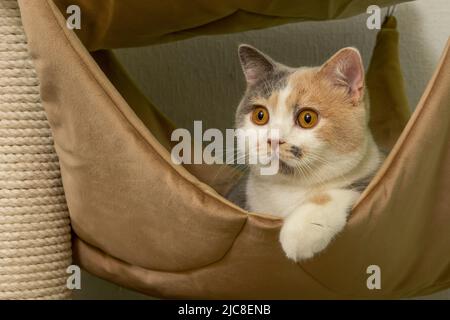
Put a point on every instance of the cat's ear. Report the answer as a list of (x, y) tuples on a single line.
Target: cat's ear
[(345, 69), (255, 64)]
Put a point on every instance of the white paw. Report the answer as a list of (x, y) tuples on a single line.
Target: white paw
[(308, 232), (303, 243)]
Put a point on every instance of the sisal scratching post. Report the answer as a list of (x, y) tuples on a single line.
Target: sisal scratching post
[(35, 247)]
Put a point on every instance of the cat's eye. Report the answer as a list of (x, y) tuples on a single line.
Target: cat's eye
[(260, 115), (307, 118)]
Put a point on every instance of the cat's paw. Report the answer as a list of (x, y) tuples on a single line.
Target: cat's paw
[(310, 230)]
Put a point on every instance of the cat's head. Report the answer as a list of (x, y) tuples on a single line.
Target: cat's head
[(320, 112)]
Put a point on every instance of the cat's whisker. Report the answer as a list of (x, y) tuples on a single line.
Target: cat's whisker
[(302, 172), (235, 156), (327, 163), (320, 179)]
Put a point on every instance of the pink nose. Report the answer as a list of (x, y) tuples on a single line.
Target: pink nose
[(280, 142)]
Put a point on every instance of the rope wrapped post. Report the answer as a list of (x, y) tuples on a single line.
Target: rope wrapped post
[(35, 244)]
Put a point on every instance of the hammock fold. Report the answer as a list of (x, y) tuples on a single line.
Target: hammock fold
[(117, 24)]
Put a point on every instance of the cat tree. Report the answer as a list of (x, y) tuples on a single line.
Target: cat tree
[(35, 240)]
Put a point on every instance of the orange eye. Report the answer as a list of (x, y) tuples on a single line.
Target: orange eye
[(307, 118), (260, 116)]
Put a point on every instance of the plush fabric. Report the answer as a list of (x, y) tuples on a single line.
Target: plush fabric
[(118, 23), (221, 177), (146, 224), (389, 105)]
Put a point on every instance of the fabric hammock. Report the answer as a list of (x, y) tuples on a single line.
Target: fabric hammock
[(149, 225)]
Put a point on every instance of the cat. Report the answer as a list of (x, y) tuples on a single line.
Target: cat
[(326, 152)]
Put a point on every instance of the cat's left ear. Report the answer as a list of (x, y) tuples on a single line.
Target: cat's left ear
[(345, 69), (255, 64)]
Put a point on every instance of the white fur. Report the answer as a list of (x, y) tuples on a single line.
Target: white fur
[(308, 227)]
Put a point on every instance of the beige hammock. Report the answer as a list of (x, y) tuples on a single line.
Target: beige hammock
[(165, 230)]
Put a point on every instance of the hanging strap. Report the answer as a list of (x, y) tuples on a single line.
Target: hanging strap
[(391, 10), (389, 110)]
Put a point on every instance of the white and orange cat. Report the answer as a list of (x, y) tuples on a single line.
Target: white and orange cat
[(326, 151)]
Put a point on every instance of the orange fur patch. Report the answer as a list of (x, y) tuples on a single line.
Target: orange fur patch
[(344, 122), (320, 198)]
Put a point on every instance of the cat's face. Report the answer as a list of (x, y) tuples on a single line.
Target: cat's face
[(319, 112)]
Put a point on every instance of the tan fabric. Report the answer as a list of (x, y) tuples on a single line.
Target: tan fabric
[(221, 177), (389, 111), (153, 227), (119, 23)]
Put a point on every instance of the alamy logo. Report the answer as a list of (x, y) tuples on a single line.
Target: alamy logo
[(74, 20), (374, 280), (73, 281), (239, 147), (374, 20)]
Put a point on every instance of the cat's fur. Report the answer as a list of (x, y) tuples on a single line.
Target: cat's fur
[(314, 189)]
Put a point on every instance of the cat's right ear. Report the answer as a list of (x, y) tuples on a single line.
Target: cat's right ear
[(255, 64), (345, 69)]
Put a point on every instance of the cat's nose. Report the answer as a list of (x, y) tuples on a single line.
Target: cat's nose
[(296, 151), (274, 141)]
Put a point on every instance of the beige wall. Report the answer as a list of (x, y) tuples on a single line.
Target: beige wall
[(201, 79)]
